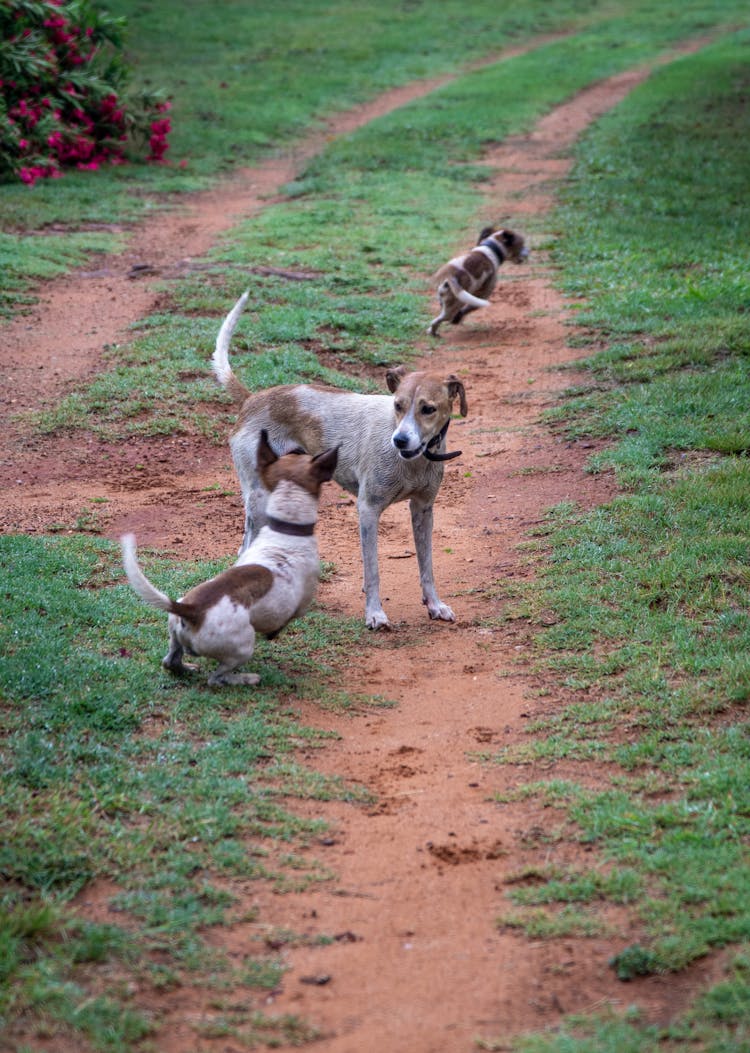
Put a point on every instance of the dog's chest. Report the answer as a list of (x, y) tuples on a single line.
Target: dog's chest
[(295, 569)]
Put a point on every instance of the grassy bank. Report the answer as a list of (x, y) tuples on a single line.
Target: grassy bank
[(649, 594)]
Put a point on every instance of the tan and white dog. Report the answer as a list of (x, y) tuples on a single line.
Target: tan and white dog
[(466, 282), (273, 581), (390, 449)]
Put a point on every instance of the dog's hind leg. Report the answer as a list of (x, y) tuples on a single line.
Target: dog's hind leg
[(421, 523), (434, 325), (224, 673), (172, 660), (462, 314), (369, 518)]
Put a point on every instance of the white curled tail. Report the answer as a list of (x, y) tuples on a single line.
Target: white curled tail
[(220, 359), (138, 579), (466, 297)]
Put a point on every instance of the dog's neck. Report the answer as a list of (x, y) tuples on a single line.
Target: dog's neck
[(291, 510), (494, 248), (283, 526)]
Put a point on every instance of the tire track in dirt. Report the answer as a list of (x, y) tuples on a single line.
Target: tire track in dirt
[(49, 351), (419, 965), (59, 340)]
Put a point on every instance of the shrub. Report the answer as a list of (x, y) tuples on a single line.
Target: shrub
[(62, 84)]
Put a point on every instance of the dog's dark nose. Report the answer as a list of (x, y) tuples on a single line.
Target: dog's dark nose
[(400, 442)]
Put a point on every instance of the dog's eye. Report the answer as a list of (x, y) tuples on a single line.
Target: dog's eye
[(399, 407), (428, 410)]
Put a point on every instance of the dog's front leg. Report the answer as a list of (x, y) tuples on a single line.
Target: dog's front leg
[(421, 524), (369, 518)]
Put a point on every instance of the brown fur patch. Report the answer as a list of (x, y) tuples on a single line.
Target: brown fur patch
[(244, 585), (280, 406), (477, 265), (296, 468)]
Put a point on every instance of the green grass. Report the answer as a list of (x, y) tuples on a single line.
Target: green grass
[(173, 793), (402, 180), (649, 593), (115, 771), (244, 79), (717, 1022)]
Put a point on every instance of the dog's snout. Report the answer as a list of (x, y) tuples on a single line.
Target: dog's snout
[(400, 441)]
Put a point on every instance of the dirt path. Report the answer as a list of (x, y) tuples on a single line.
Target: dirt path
[(420, 965)]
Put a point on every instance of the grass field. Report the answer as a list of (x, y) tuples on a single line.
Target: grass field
[(650, 592), (115, 775)]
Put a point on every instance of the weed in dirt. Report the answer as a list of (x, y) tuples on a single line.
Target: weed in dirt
[(719, 1021), (252, 1029), (35, 259), (536, 886), (266, 973), (548, 924)]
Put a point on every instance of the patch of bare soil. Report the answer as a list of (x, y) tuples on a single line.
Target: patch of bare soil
[(417, 963)]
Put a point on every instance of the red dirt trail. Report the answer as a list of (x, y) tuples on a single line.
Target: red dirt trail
[(421, 875)]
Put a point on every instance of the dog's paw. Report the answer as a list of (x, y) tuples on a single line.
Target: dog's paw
[(179, 668), (233, 679), (440, 612), (377, 620)]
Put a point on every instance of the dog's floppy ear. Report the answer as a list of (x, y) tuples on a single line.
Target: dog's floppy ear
[(485, 233), (324, 465), (264, 456), (456, 390), (394, 377)]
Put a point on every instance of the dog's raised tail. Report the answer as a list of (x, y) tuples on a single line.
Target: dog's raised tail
[(140, 583), (464, 296), (220, 359)]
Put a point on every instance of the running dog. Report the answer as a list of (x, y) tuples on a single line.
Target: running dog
[(273, 581), (390, 449), (466, 282)]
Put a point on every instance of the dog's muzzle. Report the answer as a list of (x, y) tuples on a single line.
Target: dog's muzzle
[(428, 449), (401, 442)]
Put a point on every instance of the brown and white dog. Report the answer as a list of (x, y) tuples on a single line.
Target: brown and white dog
[(466, 282), (390, 449), (273, 581)]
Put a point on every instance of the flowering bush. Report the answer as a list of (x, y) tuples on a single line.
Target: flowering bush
[(62, 80)]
